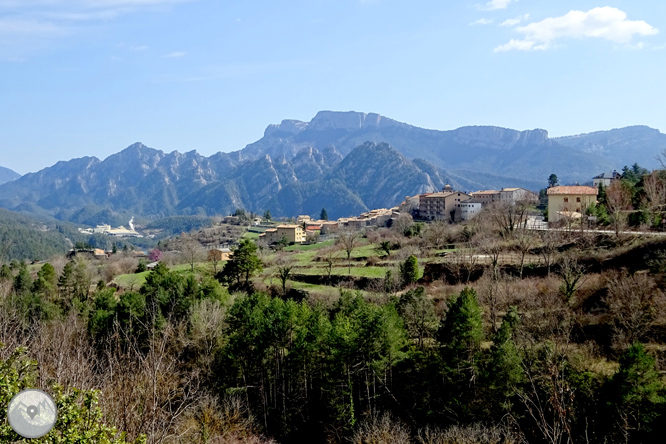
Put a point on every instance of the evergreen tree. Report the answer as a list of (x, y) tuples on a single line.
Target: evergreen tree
[(267, 215), (505, 371), (46, 282), (323, 215), (409, 271), (22, 281), (552, 180), (243, 264), (637, 394)]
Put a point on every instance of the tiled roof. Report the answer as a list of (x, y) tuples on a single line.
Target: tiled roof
[(289, 226), (573, 190), (485, 192)]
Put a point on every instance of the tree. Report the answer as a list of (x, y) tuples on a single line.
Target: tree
[(654, 190), (323, 215), (618, 202), (267, 215), (409, 271), (385, 246), (524, 243), (637, 394), (242, 265), (418, 314), (572, 274), (155, 255), (46, 282), (548, 248), (509, 216), (552, 180), (284, 271), (192, 252), (349, 239)]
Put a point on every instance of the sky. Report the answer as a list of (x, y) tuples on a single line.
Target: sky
[(91, 77)]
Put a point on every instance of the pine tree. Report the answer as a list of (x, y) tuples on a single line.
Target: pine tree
[(267, 215), (409, 271), (323, 215)]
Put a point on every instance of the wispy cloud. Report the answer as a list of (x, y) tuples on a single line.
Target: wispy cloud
[(175, 55), (515, 21), (606, 23), (493, 5), (48, 16), (139, 48), (482, 21)]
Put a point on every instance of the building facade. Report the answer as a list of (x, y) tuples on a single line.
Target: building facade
[(569, 201)]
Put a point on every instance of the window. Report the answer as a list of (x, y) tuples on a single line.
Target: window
[(566, 200), (578, 199)]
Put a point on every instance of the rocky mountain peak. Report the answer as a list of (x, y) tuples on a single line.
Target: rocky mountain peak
[(287, 126), (350, 121)]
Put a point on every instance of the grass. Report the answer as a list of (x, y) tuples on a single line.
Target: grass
[(317, 246), (131, 281)]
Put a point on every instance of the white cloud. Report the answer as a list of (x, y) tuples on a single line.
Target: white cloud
[(482, 21), (175, 55), (139, 48), (60, 15), (493, 5), (606, 23), (515, 21)]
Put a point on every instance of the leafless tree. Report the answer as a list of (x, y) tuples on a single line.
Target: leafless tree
[(493, 247), (548, 249), (509, 216), (573, 274), (524, 242), (402, 223), (437, 234), (349, 239), (635, 302), (618, 202), (192, 252), (654, 187)]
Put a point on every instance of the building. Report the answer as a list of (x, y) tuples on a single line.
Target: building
[(219, 254), (303, 218), (329, 227), (513, 195), (440, 205), (606, 178), (569, 201), (467, 210), (505, 195), (293, 233), (486, 196)]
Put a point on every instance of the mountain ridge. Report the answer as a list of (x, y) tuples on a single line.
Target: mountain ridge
[(364, 160)]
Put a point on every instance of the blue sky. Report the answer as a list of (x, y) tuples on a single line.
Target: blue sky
[(90, 77)]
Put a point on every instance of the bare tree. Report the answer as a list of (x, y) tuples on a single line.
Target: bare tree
[(214, 257), (192, 252), (437, 234), (548, 249), (493, 247), (635, 303), (524, 242), (349, 239), (572, 274), (654, 187), (618, 202), (509, 216)]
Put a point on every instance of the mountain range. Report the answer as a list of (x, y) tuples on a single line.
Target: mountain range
[(7, 175), (347, 162)]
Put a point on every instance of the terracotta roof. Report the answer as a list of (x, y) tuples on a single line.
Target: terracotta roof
[(289, 226), (573, 190)]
